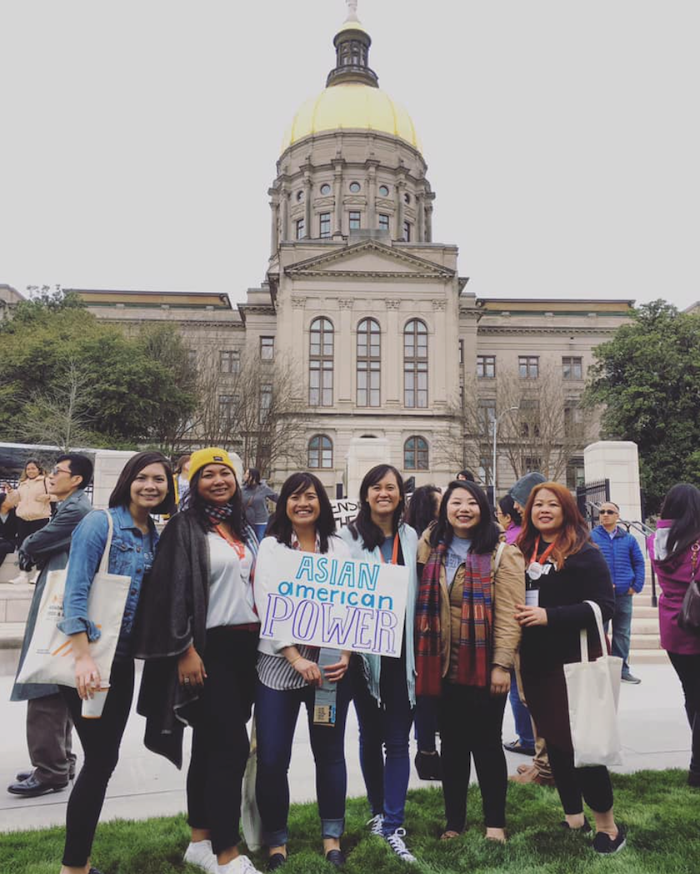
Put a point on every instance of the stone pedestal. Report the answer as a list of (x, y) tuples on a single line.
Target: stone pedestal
[(108, 465), (363, 454), (617, 461)]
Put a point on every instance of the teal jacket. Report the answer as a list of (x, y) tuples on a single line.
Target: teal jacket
[(409, 548)]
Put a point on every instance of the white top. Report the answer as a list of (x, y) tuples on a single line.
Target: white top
[(231, 600)]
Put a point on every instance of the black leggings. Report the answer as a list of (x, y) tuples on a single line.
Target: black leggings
[(575, 785), (471, 721), (220, 740), (100, 739), (688, 669)]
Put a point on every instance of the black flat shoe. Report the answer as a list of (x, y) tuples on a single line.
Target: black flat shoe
[(335, 858), (33, 788), (94, 871), (516, 747), (275, 861), (584, 829)]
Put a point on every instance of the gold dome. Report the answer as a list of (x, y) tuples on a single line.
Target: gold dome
[(351, 107)]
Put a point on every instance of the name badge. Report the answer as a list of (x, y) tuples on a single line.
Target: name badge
[(532, 597)]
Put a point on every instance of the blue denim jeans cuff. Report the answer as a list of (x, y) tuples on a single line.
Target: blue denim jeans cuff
[(332, 828), (280, 838)]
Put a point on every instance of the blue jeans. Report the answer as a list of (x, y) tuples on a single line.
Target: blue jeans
[(276, 715), (621, 626), (384, 737), (523, 723), (260, 530)]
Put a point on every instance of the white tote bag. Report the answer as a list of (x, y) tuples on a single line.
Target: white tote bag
[(251, 822), (49, 657), (593, 688)]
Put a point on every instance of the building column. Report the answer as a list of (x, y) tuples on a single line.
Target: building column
[(345, 353), (372, 194), (308, 214), (392, 357), (338, 194), (300, 387), (274, 227), (420, 209), (400, 191), (284, 208)]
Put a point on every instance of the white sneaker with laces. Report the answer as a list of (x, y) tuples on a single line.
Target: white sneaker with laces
[(239, 865), (201, 855), (395, 841), (376, 825)]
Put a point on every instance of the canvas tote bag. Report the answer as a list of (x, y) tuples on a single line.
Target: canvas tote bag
[(593, 689), (49, 657)]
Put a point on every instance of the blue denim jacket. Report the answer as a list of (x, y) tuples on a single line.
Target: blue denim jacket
[(131, 555)]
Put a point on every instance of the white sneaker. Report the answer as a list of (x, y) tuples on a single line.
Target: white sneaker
[(239, 865), (395, 841), (201, 855), (375, 825), (22, 579)]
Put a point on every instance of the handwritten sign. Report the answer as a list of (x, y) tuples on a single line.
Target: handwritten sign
[(344, 510), (324, 601)]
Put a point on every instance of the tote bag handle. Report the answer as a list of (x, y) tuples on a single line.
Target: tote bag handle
[(601, 634)]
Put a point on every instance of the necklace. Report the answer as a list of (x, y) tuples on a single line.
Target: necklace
[(535, 568)]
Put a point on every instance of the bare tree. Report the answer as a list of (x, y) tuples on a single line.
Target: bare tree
[(541, 424), (59, 417), (249, 406)]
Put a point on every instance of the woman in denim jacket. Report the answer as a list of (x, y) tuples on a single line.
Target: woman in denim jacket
[(145, 486)]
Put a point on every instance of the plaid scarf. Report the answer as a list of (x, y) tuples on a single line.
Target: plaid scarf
[(217, 513), (474, 655)]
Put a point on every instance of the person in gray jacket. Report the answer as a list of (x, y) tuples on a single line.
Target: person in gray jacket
[(49, 725), (255, 495)]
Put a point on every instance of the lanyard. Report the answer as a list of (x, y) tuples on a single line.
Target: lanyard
[(543, 558), (236, 544), (394, 552)]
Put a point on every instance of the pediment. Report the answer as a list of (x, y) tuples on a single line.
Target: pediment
[(369, 258)]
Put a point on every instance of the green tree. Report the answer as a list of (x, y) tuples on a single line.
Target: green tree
[(648, 380), (129, 392)]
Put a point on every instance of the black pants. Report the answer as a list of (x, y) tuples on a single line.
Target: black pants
[(688, 669), (471, 722), (575, 785), (100, 739), (220, 740), (25, 529)]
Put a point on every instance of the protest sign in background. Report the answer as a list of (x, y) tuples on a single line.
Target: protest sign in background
[(323, 601), (344, 510)]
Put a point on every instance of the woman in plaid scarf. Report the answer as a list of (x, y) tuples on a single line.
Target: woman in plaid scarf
[(466, 640)]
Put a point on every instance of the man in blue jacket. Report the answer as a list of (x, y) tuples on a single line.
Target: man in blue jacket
[(626, 563)]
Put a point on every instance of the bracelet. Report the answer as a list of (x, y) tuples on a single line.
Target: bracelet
[(296, 660)]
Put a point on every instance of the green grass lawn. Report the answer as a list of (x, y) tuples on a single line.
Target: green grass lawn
[(660, 810)]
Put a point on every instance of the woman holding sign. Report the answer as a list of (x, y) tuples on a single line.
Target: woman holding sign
[(467, 638), (198, 631), (383, 686), (564, 569), (290, 675), (144, 487)]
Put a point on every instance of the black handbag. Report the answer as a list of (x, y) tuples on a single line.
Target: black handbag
[(689, 617)]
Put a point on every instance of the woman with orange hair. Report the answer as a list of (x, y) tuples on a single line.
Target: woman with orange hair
[(563, 571)]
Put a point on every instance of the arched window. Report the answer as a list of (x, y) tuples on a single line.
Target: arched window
[(320, 453), (321, 363), (369, 363), (415, 364), (415, 454)]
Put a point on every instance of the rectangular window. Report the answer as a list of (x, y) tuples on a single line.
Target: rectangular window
[(265, 401), (230, 360), (531, 464), (368, 380), (529, 366), (486, 366), (324, 224), (407, 232), (572, 368), (383, 222), (487, 416), (267, 348), (355, 219), (321, 383), (227, 407), (416, 384), (529, 417), (575, 473), (300, 229), (573, 420)]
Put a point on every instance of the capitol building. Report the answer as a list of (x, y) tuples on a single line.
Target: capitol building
[(372, 317)]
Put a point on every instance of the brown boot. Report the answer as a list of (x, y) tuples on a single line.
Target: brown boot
[(532, 775)]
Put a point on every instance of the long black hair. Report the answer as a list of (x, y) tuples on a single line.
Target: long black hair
[(121, 494), (280, 525), (483, 536), (197, 506), (253, 476), (421, 508), (682, 504), (508, 508), (362, 525)]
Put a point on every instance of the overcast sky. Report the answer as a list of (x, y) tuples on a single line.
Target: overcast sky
[(138, 138)]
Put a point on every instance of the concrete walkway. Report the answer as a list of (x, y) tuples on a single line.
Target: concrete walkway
[(144, 785)]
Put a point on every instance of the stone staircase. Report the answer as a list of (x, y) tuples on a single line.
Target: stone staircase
[(15, 600)]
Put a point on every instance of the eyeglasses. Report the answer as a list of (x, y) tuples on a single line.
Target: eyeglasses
[(607, 512), (57, 470)]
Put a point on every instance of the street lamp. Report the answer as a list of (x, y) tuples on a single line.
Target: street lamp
[(496, 420)]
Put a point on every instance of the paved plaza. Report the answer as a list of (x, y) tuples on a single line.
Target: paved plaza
[(652, 719)]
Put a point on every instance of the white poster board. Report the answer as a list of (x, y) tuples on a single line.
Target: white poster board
[(324, 601), (344, 510)]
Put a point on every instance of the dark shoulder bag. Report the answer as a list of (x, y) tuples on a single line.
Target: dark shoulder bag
[(689, 617)]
